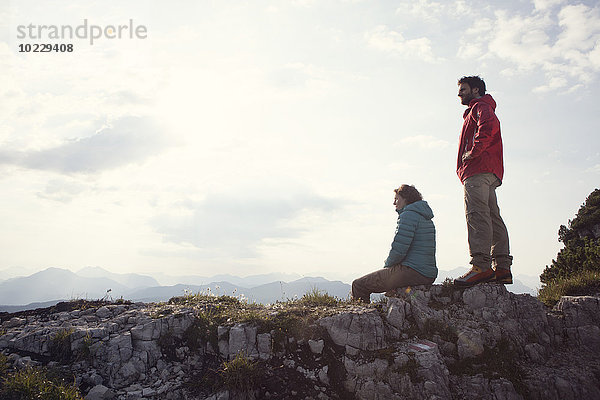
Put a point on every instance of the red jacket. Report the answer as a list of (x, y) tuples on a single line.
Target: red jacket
[(481, 135)]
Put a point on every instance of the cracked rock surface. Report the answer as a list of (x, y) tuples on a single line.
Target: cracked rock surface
[(431, 343)]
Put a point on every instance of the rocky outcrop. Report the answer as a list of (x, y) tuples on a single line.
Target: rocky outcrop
[(438, 343)]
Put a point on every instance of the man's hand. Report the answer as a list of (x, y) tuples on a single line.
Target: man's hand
[(466, 156)]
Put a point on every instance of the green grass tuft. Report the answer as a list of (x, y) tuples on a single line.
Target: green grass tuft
[(85, 352), (281, 319), (316, 297), (240, 374), (3, 365), (438, 327), (60, 345), (584, 283), (192, 299), (34, 383)]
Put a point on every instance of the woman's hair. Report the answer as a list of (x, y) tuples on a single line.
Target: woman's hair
[(409, 193)]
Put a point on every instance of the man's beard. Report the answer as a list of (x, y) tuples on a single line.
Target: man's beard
[(466, 100)]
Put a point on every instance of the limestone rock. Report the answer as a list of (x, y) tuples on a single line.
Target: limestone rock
[(470, 344), (242, 338), (316, 346), (99, 392), (356, 331), (428, 343)]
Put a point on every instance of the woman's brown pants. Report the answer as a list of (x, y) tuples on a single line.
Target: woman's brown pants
[(387, 279)]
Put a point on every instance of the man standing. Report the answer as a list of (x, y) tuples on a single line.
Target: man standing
[(480, 169)]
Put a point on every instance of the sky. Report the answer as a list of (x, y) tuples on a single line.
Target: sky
[(250, 137)]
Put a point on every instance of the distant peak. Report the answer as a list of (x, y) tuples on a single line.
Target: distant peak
[(54, 270), (312, 279), (93, 269)]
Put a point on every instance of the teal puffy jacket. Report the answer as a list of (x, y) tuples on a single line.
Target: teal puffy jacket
[(414, 243)]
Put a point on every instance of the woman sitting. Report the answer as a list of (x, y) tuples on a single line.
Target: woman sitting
[(411, 261)]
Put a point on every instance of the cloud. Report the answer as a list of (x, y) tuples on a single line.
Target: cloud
[(298, 75), (62, 190), (521, 40), (469, 48), (233, 225), (386, 40), (433, 11), (402, 166), (594, 169), (553, 84), (124, 141), (424, 9), (561, 41), (422, 141), (125, 97), (580, 31), (304, 3), (546, 4)]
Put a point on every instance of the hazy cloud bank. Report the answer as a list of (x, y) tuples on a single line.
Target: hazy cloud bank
[(124, 141), (234, 225)]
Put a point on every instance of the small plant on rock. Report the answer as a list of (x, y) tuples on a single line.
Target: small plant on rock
[(60, 345), (3, 365), (240, 374), (160, 313), (438, 327), (410, 368), (315, 297), (34, 383), (168, 344), (202, 331), (448, 287), (85, 352), (494, 363)]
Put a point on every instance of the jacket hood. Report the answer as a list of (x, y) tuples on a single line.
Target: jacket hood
[(486, 98), (421, 207)]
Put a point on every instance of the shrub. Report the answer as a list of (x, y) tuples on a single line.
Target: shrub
[(577, 265), (580, 254), (586, 219), (582, 245)]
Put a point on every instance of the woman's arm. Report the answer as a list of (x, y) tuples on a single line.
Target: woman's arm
[(405, 232)]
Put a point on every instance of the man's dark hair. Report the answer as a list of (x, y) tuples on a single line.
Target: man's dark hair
[(409, 193), (474, 82)]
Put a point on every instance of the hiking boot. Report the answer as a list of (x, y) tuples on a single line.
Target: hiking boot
[(504, 276), (474, 276)]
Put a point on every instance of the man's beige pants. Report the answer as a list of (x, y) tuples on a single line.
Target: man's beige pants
[(488, 237), (387, 279)]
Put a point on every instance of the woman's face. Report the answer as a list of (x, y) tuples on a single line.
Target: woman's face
[(399, 202)]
